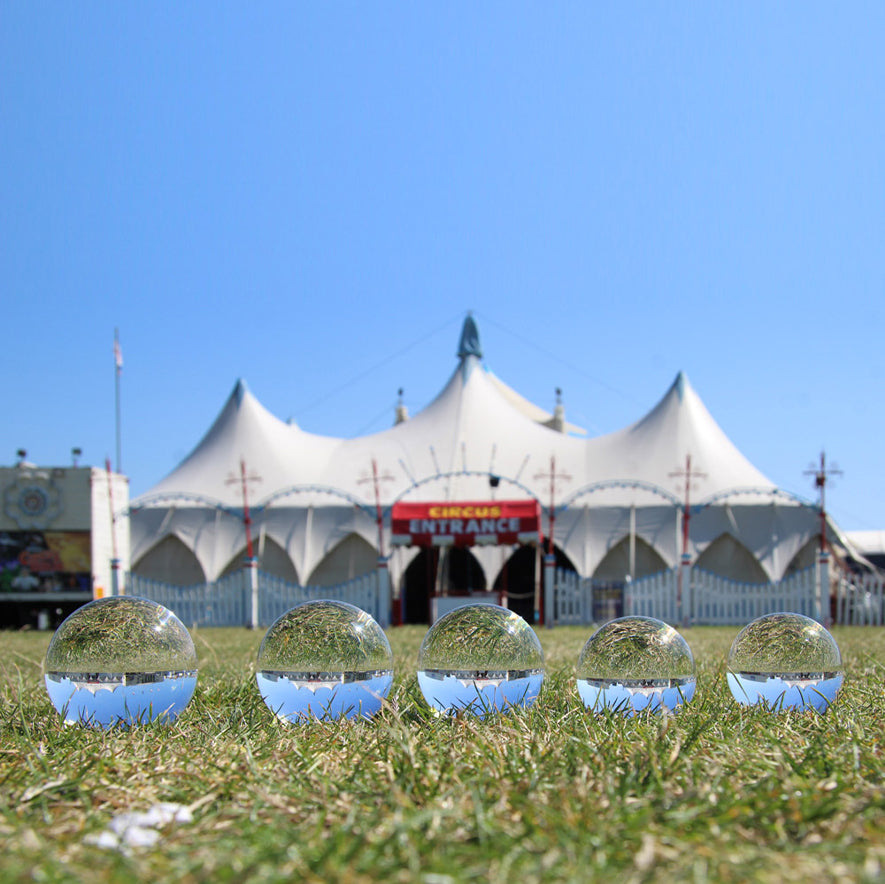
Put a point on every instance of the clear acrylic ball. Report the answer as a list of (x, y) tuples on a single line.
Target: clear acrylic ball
[(120, 661), (324, 659), (785, 661), (480, 659), (634, 664)]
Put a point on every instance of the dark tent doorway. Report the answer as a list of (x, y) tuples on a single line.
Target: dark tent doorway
[(448, 571)]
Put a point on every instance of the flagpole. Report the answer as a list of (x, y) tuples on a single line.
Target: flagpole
[(118, 365)]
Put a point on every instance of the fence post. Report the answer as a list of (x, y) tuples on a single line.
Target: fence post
[(382, 573), (252, 586), (840, 602), (549, 589), (685, 613), (822, 589), (876, 592)]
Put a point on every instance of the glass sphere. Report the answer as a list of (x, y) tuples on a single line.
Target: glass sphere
[(785, 661), (480, 658), (120, 660), (633, 664), (324, 659)]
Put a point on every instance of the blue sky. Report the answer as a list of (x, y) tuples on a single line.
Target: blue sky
[(312, 196)]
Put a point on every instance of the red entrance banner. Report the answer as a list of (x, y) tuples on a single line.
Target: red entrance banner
[(470, 523)]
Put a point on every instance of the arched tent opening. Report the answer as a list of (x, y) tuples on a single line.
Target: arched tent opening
[(234, 564), (351, 557), (436, 571), (273, 559), (805, 558), (562, 560), (600, 516), (172, 562), (619, 564), (519, 579), (460, 572), (416, 588), (729, 558)]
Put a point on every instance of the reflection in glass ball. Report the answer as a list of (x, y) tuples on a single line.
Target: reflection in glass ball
[(480, 659), (634, 664), (785, 661), (120, 660), (324, 659)]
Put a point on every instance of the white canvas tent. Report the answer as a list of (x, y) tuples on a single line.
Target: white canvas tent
[(618, 511)]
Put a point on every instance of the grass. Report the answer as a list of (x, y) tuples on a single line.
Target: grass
[(718, 793)]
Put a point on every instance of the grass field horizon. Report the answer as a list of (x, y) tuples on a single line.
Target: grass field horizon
[(551, 793)]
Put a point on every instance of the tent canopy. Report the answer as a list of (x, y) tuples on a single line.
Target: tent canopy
[(311, 491)]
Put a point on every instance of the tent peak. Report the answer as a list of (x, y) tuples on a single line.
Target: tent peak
[(680, 385), (241, 388), (469, 344), (401, 414)]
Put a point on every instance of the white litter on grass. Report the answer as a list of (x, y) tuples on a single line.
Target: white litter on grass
[(139, 828)]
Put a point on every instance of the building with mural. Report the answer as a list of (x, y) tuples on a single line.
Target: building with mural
[(59, 538)]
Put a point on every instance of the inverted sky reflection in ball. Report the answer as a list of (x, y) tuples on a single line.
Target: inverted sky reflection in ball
[(785, 661), (480, 659), (324, 659), (121, 660), (634, 664)]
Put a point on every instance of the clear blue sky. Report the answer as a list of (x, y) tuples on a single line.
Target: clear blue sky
[(311, 196)]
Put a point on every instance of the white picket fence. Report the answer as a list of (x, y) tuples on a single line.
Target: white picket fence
[(716, 600), (705, 598), (860, 600), (573, 599), (654, 596), (227, 602)]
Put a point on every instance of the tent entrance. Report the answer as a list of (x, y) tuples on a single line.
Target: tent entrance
[(440, 578), (436, 573), (446, 573), (519, 582)]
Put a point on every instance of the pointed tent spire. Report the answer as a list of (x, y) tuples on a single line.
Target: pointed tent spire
[(239, 391), (558, 420), (469, 344), (402, 412), (679, 384)]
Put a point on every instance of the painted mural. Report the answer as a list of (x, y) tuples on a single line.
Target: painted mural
[(45, 561)]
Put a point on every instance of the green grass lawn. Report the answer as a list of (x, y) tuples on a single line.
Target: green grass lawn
[(545, 794)]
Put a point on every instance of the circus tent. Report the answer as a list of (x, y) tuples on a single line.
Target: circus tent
[(324, 507)]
